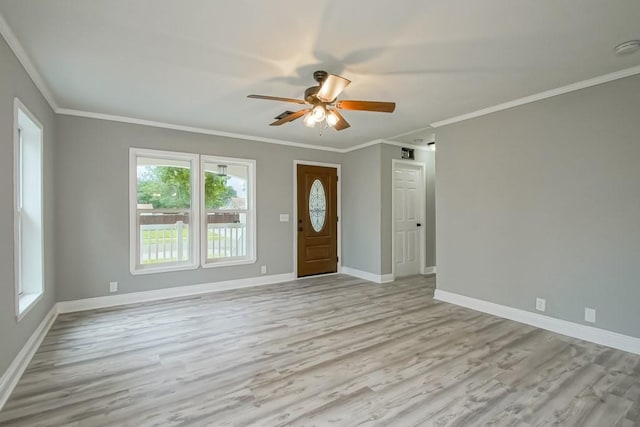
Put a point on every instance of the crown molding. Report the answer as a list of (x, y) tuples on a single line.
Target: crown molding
[(627, 72), (363, 145), (400, 135), (132, 120), (387, 142), (142, 122), (403, 145), (22, 56)]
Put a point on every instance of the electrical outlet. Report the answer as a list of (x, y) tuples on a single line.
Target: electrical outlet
[(263, 269), (113, 286), (541, 304), (590, 314)]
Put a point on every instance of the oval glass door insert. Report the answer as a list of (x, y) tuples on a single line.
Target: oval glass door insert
[(317, 205)]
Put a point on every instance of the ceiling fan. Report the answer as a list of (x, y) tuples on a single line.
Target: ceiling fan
[(323, 104)]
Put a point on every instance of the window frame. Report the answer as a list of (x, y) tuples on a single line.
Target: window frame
[(194, 211), (25, 301), (251, 228)]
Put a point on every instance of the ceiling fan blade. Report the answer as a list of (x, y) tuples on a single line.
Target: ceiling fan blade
[(342, 123), (381, 107), (277, 98), (332, 87), (291, 117)]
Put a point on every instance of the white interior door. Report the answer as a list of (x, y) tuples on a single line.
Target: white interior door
[(407, 187)]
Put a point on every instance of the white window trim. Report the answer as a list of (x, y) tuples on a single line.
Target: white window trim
[(26, 301), (134, 153), (251, 214)]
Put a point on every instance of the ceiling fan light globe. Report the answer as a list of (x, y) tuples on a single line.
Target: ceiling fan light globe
[(310, 121), (319, 113), (332, 118)]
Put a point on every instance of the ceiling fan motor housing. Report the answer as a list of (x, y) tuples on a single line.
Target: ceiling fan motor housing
[(310, 95)]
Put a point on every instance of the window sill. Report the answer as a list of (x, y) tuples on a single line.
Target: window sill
[(165, 269), (26, 302), (228, 263)]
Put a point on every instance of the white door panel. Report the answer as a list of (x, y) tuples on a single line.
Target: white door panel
[(407, 187), (399, 242)]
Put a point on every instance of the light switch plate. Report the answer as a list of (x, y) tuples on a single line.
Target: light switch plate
[(284, 217)]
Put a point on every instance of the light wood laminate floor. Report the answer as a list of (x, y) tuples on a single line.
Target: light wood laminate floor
[(323, 351)]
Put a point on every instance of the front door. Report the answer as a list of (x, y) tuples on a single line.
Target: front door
[(317, 220), (407, 188)]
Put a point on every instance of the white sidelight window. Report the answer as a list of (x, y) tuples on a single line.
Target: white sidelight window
[(228, 211), (28, 209), (164, 195)]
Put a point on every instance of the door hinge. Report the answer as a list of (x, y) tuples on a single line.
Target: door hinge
[(337, 218), (337, 259)]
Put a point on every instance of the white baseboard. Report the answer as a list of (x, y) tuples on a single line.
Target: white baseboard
[(178, 291), (574, 330), (376, 278), (429, 270), (13, 373)]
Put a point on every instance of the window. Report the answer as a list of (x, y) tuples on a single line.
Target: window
[(164, 211), (228, 214), (175, 195), (28, 210)]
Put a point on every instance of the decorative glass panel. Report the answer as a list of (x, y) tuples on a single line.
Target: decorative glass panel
[(317, 205)]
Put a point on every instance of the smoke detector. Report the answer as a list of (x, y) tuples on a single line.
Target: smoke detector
[(627, 47)]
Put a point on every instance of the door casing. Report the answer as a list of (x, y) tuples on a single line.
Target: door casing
[(422, 247), (295, 211)]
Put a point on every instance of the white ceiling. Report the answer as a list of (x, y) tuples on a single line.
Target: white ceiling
[(192, 62)]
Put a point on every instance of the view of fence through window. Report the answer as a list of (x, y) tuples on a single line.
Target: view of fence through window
[(163, 211), (226, 209), (164, 206)]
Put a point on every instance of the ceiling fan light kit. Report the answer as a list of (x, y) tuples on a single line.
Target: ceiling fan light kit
[(323, 103)]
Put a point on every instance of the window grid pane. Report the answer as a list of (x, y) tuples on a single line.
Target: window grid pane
[(226, 234), (164, 198), (164, 237), (19, 207)]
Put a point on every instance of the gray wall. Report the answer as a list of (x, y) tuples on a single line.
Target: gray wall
[(543, 200), (366, 201), (14, 82), (361, 209), (92, 164), (429, 159)]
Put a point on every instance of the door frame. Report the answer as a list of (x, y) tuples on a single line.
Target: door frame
[(422, 247), (295, 211)]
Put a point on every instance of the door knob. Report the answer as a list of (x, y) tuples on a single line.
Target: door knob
[(419, 225)]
